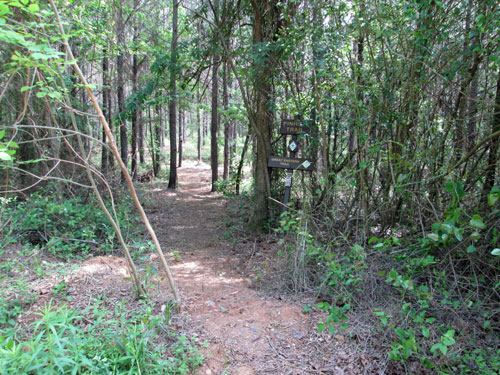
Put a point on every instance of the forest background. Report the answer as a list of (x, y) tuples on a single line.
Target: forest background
[(401, 105)]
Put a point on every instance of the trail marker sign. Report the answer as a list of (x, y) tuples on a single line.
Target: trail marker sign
[(289, 163), (290, 127)]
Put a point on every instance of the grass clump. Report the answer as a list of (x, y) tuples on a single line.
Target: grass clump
[(68, 341)]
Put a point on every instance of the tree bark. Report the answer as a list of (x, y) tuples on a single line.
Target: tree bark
[(227, 124), (493, 156), (135, 70), (240, 165), (181, 137), (214, 124), (140, 138), (172, 180), (200, 125), (120, 90), (265, 25), (106, 104), (155, 137)]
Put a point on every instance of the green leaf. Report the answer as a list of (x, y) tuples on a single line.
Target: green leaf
[(448, 338), (494, 195), (495, 252), (321, 327), (433, 236), (34, 7), (4, 156), (450, 187), (16, 4), (41, 94), (471, 249), (425, 332), (4, 9), (40, 56), (323, 306), (439, 346), (477, 222), (492, 199), (2, 133)]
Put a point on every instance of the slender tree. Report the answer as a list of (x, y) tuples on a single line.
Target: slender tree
[(227, 123), (106, 108), (214, 124), (120, 89), (181, 136), (172, 180)]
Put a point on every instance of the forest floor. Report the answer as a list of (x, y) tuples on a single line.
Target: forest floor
[(231, 301), (250, 330)]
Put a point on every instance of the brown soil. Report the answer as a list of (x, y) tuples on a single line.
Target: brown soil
[(249, 332)]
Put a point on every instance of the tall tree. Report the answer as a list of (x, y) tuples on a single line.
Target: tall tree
[(214, 123), (135, 111), (106, 108), (199, 123), (493, 158), (266, 22), (120, 89), (227, 122), (172, 179), (181, 136)]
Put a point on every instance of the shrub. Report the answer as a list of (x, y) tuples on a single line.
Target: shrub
[(72, 227)]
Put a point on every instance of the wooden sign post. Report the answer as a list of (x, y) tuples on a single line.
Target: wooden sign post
[(290, 127)]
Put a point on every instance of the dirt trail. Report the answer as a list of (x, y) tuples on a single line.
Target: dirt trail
[(248, 333)]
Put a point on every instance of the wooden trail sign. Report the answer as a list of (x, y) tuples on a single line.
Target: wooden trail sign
[(289, 163), (292, 126)]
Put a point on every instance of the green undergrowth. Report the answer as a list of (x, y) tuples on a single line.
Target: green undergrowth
[(69, 227), (94, 341), (431, 299)]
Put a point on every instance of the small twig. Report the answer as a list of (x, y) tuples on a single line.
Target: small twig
[(272, 347), (77, 240), (280, 203)]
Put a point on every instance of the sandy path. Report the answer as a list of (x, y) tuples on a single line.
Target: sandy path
[(249, 333)]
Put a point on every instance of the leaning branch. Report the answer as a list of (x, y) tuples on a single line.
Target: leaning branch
[(115, 152)]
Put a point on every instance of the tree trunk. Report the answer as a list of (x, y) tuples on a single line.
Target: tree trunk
[(471, 124), (106, 102), (227, 124), (214, 124), (135, 70), (181, 137), (121, 85), (240, 165), (265, 25), (200, 125), (490, 172), (172, 180), (156, 143), (140, 138)]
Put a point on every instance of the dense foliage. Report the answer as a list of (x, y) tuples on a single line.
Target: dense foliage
[(401, 104)]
